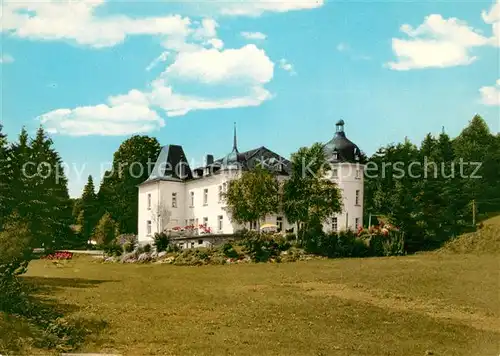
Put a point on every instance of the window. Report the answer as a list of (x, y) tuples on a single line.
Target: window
[(200, 242), (220, 193), (335, 226), (174, 200), (335, 155), (279, 223), (219, 222), (149, 201), (224, 187), (148, 227), (335, 173), (191, 221), (192, 199), (253, 225), (205, 222), (196, 222), (356, 223), (192, 244), (205, 196), (358, 173), (357, 197)]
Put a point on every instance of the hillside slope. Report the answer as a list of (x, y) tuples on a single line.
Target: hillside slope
[(485, 240)]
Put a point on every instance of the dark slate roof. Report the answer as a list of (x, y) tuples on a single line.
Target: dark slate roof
[(340, 148), (249, 160), (170, 165)]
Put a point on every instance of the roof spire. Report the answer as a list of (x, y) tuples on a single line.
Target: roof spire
[(235, 142)]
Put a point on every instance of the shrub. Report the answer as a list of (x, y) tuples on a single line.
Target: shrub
[(112, 250), (172, 248), (129, 246), (147, 248), (15, 254), (389, 244), (161, 241), (124, 238), (290, 236), (229, 251), (342, 244), (262, 247)]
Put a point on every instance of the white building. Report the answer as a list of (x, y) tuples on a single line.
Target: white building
[(176, 196)]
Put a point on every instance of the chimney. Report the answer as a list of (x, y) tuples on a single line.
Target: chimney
[(209, 160)]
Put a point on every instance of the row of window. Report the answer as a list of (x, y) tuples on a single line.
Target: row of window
[(335, 223), (222, 189)]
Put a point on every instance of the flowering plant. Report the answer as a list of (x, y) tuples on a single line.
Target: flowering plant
[(60, 255)]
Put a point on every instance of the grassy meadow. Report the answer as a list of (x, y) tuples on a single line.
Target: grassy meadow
[(419, 305)]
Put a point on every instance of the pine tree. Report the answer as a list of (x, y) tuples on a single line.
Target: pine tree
[(6, 199), (50, 206), (89, 210), (23, 171)]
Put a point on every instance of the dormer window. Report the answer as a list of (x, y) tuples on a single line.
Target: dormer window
[(335, 155)]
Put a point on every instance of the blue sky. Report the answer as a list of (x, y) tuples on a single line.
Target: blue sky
[(95, 72)]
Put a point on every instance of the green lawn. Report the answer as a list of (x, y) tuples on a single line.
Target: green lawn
[(447, 305)]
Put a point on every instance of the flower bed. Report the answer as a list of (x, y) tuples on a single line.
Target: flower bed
[(60, 255)]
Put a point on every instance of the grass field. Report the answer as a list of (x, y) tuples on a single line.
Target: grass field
[(418, 305)]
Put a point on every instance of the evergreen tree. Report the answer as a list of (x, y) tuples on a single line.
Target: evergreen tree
[(88, 216), (118, 193), (23, 171), (105, 230), (51, 207), (6, 199)]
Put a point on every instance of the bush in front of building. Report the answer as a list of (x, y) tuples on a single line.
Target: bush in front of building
[(335, 245), (161, 241), (261, 247)]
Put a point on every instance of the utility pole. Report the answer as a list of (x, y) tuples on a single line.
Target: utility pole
[(474, 212)]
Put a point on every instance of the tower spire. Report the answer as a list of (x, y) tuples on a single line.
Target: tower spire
[(235, 142)]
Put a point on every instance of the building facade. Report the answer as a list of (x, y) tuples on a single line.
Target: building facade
[(175, 196)]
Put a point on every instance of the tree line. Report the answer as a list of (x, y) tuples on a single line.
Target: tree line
[(33, 189), (113, 209), (455, 183), (444, 184)]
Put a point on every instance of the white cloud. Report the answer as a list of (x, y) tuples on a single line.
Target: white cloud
[(491, 95), (76, 21), (106, 120), (247, 69), (6, 58), (254, 35), (286, 66), (493, 17), (437, 43), (246, 65), (258, 7), (178, 105)]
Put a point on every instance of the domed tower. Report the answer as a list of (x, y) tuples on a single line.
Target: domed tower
[(347, 171)]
